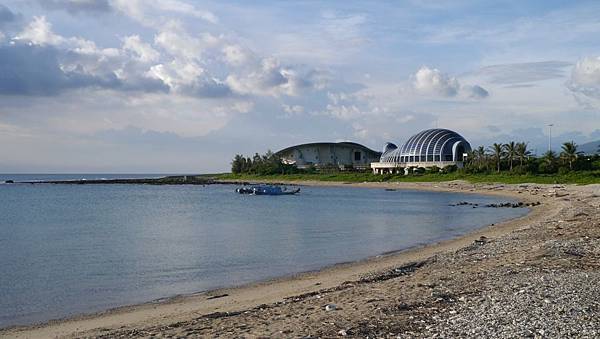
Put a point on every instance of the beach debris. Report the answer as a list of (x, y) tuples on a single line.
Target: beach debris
[(217, 296), (343, 333), (396, 272), (217, 315), (498, 205), (330, 307)]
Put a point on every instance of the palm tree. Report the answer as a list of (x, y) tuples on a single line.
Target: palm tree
[(522, 152), (497, 153), (481, 156), (549, 159), (511, 152), (569, 153)]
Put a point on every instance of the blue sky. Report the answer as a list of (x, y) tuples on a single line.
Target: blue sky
[(182, 86)]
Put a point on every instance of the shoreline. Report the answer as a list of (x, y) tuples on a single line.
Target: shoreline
[(275, 290)]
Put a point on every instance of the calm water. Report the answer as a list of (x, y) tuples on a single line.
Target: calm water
[(70, 249)]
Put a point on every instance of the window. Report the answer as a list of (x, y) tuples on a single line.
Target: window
[(357, 156)]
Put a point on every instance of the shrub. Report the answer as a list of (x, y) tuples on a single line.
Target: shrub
[(433, 169), (418, 170), (450, 169)]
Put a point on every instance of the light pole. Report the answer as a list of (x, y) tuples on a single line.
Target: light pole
[(550, 138)]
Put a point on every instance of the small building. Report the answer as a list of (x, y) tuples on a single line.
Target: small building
[(433, 147), (342, 155)]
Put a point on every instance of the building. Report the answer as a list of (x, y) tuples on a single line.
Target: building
[(433, 147), (329, 154)]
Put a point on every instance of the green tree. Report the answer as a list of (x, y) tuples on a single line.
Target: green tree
[(510, 150), (497, 154), (569, 153), (237, 164), (522, 152), (548, 162)]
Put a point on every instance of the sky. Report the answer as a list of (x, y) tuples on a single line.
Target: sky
[(181, 86)]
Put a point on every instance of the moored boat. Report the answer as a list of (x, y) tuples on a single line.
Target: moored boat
[(274, 190), (245, 190)]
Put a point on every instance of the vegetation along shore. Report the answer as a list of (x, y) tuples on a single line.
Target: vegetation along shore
[(510, 163)]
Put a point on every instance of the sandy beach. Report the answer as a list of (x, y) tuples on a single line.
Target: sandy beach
[(535, 276)]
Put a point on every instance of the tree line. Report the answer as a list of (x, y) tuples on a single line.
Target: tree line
[(516, 157), (512, 157), (265, 164)]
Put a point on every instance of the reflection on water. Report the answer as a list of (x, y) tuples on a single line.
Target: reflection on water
[(68, 249)]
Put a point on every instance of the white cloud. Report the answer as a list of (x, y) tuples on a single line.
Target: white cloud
[(176, 41), (182, 7), (236, 55), (432, 82), (293, 109), (143, 51), (39, 32), (586, 72), (151, 12), (270, 78)]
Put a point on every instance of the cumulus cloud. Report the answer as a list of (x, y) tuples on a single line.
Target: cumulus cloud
[(585, 77), (235, 55), (36, 70), (41, 62), (272, 78), (143, 51), (189, 78), (77, 6), (39, 32), (432, 82), (201, 65)]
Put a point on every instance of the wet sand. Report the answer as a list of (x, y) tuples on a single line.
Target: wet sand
[(435, 289)]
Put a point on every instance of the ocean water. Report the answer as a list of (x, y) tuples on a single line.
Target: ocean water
[(72, 249)]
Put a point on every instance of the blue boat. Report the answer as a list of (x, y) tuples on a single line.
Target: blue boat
[(266, 190), (273, 190)]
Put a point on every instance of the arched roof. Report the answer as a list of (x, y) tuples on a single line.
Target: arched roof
[(344, 143), (435, 144)]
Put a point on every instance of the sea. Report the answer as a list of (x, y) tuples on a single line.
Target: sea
[(67, 250)]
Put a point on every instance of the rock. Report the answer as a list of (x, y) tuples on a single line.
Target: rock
[(330, 307)]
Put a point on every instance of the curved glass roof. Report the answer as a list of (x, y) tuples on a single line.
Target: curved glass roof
[(435, 144)]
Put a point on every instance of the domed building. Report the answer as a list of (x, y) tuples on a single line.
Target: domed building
[(329, 154), (432, 147)]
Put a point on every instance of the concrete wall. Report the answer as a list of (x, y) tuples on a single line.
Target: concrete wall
[(398, 167)]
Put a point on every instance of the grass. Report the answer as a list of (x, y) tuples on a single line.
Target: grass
[(580, 178)]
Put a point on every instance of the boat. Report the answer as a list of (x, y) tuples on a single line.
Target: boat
[(274, 190), (245, 190)]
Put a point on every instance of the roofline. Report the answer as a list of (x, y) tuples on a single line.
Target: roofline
[(342, 143)]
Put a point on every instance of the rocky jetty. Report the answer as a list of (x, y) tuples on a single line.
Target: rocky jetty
[(170, 180)]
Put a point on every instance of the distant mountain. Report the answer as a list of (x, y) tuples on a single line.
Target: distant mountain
[(590, 147)]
